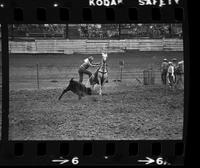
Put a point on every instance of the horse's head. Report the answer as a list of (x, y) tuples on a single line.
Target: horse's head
[(104, 56)]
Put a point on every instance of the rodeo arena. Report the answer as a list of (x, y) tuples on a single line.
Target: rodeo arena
[(96, 82)]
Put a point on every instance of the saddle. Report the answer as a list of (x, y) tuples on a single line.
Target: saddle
[(94, 79)]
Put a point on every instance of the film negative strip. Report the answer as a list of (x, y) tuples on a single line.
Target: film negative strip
[(94, 82)]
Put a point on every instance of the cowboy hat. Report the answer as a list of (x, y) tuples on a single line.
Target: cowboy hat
[(91, 58)]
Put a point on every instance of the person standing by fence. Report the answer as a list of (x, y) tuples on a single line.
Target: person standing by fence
[(175, 65), (170, 74), (180, 74), (164, 68)]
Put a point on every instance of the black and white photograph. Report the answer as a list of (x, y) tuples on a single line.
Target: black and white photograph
[(0, 81), (96, 81)]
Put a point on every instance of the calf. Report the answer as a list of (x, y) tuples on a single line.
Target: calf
[(77, 88)]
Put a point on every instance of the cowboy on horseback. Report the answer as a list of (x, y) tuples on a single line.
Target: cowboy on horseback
[(88, 62)]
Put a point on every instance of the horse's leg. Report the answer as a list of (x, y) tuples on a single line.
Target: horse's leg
[(102, 84), (100, 90), (91, 81), (99, 80), (64, 91), (103, 80)]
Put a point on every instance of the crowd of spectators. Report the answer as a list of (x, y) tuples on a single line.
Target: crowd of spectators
[(28, 30), (131, 31), (98, 31)]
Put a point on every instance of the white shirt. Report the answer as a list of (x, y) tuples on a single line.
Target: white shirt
[(171, 69)]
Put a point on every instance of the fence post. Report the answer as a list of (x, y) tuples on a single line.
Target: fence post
[(152, 75), (121, 64), (120, 73), (149, 77), (37, 67), (66, 31), (38, 84), (146, 77), (119, 29)]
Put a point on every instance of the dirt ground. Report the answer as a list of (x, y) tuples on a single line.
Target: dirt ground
[(126, 111)]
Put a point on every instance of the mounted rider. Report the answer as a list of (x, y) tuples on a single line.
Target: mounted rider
[(88, 62)]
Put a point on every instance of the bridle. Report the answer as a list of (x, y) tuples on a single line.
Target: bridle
[(103, 67)]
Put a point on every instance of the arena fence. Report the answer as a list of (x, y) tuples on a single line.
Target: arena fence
[(94, 46), (43, 77)]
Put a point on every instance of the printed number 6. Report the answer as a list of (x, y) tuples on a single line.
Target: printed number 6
[(159, 161), (75, 160)]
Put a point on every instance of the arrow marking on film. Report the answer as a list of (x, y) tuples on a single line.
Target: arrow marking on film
[(148, 161), (62, 161)]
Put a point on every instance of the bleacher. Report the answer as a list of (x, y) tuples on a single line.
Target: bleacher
[(95, 46), (173, 45)]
